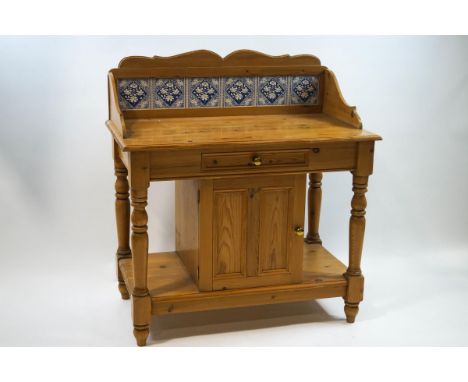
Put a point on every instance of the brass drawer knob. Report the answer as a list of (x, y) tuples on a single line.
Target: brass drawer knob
[(256, 161), (299, 231)]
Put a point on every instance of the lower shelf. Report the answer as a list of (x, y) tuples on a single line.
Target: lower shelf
[(173, 291)]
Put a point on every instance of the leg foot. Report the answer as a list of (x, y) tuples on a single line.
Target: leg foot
[(141, 334), (123, 291), (351, 310), (313, 239)]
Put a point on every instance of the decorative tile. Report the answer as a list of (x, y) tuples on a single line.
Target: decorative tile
[(134, 94), (239, 91), (164, 93), (204, 92), (304, 90), (272, 90), (169, 93)]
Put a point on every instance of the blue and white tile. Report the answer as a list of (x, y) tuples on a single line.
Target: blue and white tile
[(304, 90), (134, 93), (239, 91), (168, 93), (272, 91), (204, 92)]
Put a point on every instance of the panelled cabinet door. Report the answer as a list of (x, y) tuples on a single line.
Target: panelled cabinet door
[(230, 233), (254, 238)]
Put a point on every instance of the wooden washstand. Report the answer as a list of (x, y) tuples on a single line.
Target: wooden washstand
[(239, 135)]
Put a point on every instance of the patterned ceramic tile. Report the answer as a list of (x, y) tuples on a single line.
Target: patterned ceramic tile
[(272, 90), (304, 90), (239, 91), (164, 93), (134, 94), (169, 93), (204, 92)]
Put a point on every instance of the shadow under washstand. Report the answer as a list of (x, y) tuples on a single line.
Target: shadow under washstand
[(164, 328)]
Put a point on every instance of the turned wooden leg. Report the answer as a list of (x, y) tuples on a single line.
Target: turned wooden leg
[(122, 215), (314, 200), (357, 226), (141, 301)]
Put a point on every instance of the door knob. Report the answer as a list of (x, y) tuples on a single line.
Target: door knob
[(256, 160), (299, 231)]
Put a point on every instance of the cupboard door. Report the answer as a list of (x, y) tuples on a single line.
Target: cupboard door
[(254, 243), (229, 233), (274, 213), (280, 250)]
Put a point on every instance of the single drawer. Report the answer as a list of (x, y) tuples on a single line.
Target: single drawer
[(255, 160)]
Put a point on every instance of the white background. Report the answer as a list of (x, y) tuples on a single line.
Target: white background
[(58, 232)]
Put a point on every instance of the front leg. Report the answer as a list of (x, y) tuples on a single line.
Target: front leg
[(122, 216), (140, 296), (357, 224), (141, 299)]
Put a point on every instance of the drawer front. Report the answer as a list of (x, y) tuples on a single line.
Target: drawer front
[(255, 160), (176, 164)]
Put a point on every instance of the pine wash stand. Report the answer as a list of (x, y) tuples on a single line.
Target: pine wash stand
[(238, 135)]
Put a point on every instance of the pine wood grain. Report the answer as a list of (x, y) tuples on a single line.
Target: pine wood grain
[(205, 281), (122, 217), (205, 62), (203, 58), (206, 132), (187, 224), (314, 199), (357, 225), (273, 232), (129, 114), (141, 304), (245, 159), (174, 164), (116, 120), (335, 105), (215, 71), (229, 233), (173, 291), (270, 252)]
